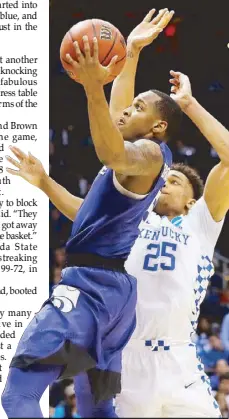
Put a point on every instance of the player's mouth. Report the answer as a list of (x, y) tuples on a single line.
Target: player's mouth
[(121, 121)]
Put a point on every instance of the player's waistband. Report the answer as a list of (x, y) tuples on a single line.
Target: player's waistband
[(95, 261), (157, 345)]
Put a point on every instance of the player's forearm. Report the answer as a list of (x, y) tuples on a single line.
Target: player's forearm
[(107, 139), (216, 134), (65, 202), (122, 92)]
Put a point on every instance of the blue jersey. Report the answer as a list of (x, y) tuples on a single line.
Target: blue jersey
[(107, 222)]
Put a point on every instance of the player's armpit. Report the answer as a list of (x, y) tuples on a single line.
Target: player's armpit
[(141, 158), (216, 191)]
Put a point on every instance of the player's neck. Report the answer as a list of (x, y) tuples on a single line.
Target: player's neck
[(174, 215)]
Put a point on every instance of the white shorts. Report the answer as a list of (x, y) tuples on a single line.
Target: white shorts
[(164, 383)]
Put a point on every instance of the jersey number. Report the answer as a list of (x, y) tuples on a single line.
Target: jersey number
[(165, 250)]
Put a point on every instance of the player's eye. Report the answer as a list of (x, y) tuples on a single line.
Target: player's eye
[(138, 107), (174, 182)]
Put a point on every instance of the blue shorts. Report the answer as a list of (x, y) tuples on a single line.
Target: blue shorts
[(83, 326)]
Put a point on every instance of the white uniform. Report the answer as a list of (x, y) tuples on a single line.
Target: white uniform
[(161, 373)]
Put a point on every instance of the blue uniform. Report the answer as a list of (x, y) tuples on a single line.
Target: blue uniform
[(91, 314), (107, 222)]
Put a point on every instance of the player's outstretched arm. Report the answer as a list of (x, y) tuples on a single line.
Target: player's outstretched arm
[(32, 170), (216, 191), (141, 158), (122, 93)]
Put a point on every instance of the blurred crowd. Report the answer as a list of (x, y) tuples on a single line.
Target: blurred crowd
[(212, 337)]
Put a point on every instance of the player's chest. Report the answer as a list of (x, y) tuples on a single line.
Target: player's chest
[(164, 250)]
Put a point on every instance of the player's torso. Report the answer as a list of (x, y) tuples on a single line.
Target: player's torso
[(166, 260), (107, 222)]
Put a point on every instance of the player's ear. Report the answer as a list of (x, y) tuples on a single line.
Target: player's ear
[(190, 203), (160, 126)]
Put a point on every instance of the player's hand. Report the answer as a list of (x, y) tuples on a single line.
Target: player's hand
[(87, 67), (29, 167), (149, 29), (181, 90)]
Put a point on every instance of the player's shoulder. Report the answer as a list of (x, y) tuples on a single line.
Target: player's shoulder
[(200, 219), (154, 219), (200, 207)]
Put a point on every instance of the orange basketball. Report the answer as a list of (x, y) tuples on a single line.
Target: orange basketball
[(110, 43)]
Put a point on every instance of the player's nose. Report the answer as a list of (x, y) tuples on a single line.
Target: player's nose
[(165, 188), (127, 112)]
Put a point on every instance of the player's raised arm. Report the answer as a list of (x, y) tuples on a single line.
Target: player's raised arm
[(144, 158), (216, 191), (32, 170), (122, 93)]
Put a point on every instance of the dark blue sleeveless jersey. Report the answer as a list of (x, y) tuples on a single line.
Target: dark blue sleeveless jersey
[(107, 222)]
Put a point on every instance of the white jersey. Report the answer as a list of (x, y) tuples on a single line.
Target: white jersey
[(172, 261)]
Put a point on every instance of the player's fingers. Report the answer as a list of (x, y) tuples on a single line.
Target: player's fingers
[(87, 49), (174, 97), (69, 60), (174, 81), (181, 78), (155, 32), (175, 74), (17, 152), (166, 19), (79, 55), (13, 172), (159, 16), (174, 89), (32, 158), (112, 63), (95, 49), (14, 162), (149, 15)]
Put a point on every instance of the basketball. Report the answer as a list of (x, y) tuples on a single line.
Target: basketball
[(110, 43)]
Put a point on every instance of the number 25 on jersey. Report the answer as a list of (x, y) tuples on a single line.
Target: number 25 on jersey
[(163, 250)]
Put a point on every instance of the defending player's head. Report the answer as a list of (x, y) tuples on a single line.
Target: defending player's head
[(153, 114), (182, 189)]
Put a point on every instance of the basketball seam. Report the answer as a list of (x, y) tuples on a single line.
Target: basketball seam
[(71, 36), (93, 27), (69, 33), (94, 30), (120, 59)]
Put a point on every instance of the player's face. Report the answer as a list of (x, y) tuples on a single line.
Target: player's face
[(141, 119), (176, 196)]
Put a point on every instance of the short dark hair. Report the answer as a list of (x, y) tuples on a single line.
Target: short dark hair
[(193, 176), (224, 376), (170, 111)]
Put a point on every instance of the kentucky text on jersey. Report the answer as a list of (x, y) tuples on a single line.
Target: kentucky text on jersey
[(164, 231)]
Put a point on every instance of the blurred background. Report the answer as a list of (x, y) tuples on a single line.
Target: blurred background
[(197, 43)]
